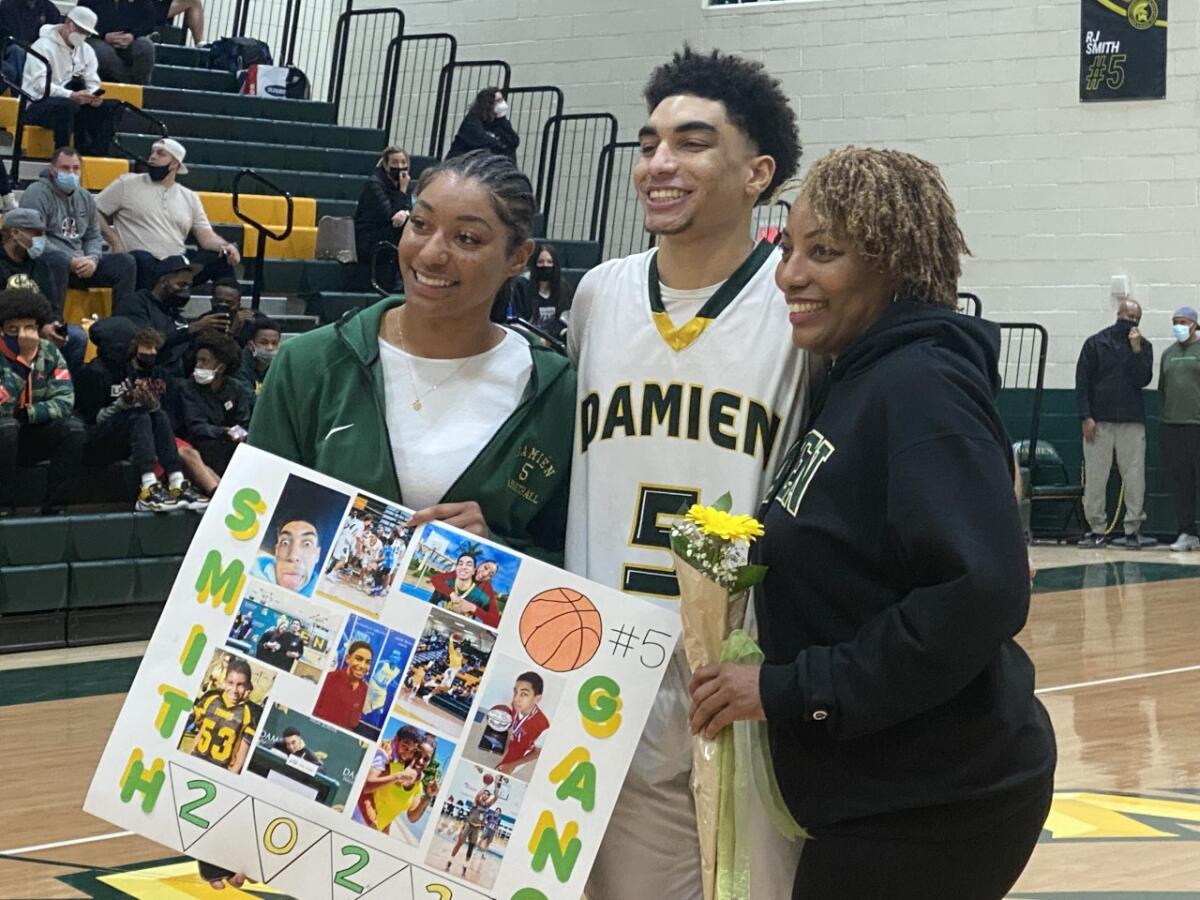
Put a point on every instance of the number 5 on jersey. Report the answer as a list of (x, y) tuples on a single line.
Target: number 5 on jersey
[(656, 505)]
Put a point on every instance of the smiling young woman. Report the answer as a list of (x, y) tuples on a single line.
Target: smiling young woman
[(422, 399)]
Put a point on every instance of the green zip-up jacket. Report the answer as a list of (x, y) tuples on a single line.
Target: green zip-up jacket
[(322, 406)]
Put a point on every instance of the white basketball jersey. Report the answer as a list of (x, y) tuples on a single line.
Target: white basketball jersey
[(669, 416)]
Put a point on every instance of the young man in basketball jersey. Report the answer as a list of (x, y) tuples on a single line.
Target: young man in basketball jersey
[(689, 387)]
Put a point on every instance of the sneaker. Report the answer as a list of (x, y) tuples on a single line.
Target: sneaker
[(156, 498), (188, 497), (1092, 540), (1137, 542), (1186, 542)]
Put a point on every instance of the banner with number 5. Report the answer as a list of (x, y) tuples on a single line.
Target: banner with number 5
[(340, 705)]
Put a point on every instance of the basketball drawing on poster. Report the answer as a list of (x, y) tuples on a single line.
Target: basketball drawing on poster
[(461, 573), (561, 629)]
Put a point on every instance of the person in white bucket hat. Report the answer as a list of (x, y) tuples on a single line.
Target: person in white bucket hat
[(153, 215), (69, 105)]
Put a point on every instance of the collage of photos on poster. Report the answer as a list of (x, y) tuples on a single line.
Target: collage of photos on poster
[(404, 781), (299, 536), (363, 565), (307, 757), (510, 724), (357, 694), (227, 711), (277, 628), (461, 574), (475, 824), (444, 673)]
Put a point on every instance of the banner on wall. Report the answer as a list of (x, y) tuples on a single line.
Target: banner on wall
[(1123, 50), (342, 706)]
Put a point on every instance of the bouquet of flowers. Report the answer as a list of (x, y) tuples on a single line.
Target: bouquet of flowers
[(711, 547)]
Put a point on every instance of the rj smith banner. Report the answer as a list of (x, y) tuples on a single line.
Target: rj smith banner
[(1123, 50)]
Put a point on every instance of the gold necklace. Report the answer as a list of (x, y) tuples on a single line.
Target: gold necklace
[(416, 404)]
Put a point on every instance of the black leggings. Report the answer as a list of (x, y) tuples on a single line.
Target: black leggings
[(874, 868)]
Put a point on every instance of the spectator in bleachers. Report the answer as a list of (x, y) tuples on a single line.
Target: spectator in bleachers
[(161, 308), (257, 356), (153, 215), (383, 208), (26, 261), (37, 397), (71, 107), (1179, 428), (120, 395), (73, 227), (216, 409), (486, 127), (123, 49), (1114, 365), (22, 20), (227, 299), (540, 296), (193, 16)]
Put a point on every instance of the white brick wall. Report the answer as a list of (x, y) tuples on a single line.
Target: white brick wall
[(1055, 196)]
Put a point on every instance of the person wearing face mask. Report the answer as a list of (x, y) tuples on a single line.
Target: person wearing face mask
[(152, 215), (71, 106), (74, 227), (1114, 365), (27, 261), (37, 397), (1179, 427), (161, 308), (542, 296), (120, 395), (216, 410), (486, 127), (257, 356), (383, 208)]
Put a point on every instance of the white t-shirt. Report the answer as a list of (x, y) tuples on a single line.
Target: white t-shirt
[(434, 445), (683, 305), (151, 217)]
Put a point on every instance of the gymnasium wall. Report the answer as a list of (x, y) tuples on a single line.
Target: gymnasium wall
[(1055, 196)]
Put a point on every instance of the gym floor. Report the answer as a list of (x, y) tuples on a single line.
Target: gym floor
[(1115, 636)]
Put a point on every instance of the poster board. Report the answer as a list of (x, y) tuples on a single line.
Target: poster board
[(341, 706)]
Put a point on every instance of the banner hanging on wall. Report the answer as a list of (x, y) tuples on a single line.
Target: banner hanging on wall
[(343, 706), (1123, 50)]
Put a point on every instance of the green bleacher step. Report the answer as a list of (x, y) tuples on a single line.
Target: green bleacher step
[(329, 306), (184, 125), (191, 78), (294, 157), (308, 277), (217, 103), (173, 55), (300, 184)]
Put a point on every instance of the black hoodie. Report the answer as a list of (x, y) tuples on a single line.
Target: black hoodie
[(896, 698)]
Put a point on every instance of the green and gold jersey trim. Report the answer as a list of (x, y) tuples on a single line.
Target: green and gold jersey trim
[(682, 337)]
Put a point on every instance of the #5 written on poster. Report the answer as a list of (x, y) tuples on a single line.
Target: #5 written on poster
[(341, 705)]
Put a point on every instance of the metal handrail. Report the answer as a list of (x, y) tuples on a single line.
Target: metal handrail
[(23, 100), (555, 344), (159, 127), (973, 303), (548, 157), (391, 65), (446, 85), (599, 225), (381, 246), (263, 231)]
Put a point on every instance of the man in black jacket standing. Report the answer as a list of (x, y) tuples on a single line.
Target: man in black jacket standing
[(1114, 365)]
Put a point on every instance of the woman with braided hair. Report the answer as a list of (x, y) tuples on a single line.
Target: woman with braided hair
[(902, 724)]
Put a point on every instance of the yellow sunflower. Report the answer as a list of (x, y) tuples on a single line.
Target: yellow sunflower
[(725, 525)]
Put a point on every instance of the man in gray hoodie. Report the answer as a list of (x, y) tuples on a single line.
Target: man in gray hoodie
[(74, 227)]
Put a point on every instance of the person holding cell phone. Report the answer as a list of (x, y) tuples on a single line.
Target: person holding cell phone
[(216, 410)]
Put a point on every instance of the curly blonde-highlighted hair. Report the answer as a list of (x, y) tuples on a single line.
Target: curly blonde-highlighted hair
[(895, 210)]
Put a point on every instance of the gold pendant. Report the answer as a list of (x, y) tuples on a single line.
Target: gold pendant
[(417, 405)]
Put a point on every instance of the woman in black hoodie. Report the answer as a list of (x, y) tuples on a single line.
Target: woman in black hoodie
[(383, 208), (903, 728)]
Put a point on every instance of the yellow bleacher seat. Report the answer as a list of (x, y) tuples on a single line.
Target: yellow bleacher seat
[(300, 244), (268, 209), (130, 93), (83, 303), (100, 171), (35, 141)]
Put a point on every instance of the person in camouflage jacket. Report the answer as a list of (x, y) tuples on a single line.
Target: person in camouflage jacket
[(37, 399)]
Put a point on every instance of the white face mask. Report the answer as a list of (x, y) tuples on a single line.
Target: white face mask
[(501, 109), (76, 39), (204, 376)]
